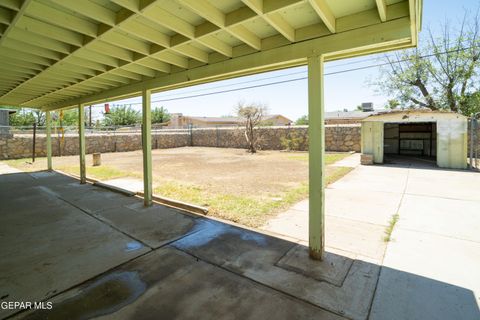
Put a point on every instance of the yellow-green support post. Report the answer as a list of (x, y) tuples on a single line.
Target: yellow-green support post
[(316, 163), (81, 140), (48, 132), (147, 147)]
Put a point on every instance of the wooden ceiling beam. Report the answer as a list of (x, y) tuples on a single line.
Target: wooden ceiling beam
[(274, 19), (325, 13)]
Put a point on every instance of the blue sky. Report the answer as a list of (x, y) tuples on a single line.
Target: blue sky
[(342, 90)]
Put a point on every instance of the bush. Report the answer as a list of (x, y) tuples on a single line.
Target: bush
[(122, 116), (295, 141)]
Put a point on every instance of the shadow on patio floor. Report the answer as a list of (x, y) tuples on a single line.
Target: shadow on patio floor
[(93, 252)]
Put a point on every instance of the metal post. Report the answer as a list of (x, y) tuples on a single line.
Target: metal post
[(48, 132), (90, 117), (81, 139), (316, 132), (34, 140), (472, 119), (147, 147)]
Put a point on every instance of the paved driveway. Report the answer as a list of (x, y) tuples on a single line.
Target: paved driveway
[(430, 268)]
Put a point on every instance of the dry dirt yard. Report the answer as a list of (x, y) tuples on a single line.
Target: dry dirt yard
[(232, 183)]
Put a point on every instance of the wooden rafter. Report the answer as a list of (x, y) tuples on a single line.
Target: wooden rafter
[(325, 14), (273, 19), (55, 51), (14, 20), (180, 43), (382, 9)]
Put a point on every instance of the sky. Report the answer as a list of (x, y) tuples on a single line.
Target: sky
[(344, 88)]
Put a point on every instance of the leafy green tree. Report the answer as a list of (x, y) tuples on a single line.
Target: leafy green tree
[(392, 104), (472, 104), (441, 74), (27, 117), (302, 121), (68, 118), (121, 116), (160, 115)]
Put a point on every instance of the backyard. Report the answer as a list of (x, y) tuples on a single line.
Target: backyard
[(234, 185)]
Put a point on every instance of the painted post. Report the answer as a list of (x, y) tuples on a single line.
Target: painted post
[(34, 151), (48, 124), (147, 147), (471, 141), (316, 163), (81, 139)]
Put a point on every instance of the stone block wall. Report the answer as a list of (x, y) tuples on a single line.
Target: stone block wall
[(337, 138)]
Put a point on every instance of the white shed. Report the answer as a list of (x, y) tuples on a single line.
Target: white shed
[(436, 135)]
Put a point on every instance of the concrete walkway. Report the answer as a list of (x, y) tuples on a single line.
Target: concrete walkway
[(430, 267)]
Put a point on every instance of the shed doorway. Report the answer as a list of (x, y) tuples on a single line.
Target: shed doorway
[(410, 142)]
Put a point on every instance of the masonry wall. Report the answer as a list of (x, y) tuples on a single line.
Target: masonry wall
[(337, 138)]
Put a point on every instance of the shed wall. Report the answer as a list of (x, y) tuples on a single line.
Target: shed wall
[(372, 140), (452, 143)]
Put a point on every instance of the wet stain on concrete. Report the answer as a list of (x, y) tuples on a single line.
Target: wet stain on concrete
[(206, 231), (133, 245), (104, 296)]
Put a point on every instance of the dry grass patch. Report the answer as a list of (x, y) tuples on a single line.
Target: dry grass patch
[(234, 185), (250, 210)]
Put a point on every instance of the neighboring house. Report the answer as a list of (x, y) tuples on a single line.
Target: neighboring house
[(4, 119), (347, 117), (178, 120), (351, 117)]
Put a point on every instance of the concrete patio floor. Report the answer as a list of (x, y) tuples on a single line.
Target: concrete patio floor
[(97, 253), (430, 266)]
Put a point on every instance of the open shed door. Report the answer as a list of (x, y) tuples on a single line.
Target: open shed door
[(372, 140), (452, 143)]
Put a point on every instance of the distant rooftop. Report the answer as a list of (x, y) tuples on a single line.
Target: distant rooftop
[(230, 119), (353, 115)]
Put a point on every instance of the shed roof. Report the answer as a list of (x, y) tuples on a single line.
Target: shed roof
[(354, 115), (58, 53), (414, 116)]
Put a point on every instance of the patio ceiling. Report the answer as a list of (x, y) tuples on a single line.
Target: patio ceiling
[(61, 53)]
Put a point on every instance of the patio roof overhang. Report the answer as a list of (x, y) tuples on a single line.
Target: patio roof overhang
[(61, 53)]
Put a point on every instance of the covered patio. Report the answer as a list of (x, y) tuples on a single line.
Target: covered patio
[(64, 54)]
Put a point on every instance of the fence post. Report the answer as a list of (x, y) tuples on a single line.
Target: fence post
[(190, 129), (34, 140)]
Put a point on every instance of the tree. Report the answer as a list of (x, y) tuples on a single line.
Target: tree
[(441, 74), (252, 115), (302, 121), (392, 104), (27, 117), (121, 116), (160, 115), (67, 118)]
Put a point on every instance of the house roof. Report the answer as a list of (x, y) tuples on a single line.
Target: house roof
[(232, 119), (423, 115), (58, 54), (355, 115), (9, 109)]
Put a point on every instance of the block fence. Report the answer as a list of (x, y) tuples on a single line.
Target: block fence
[(337, 138)]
